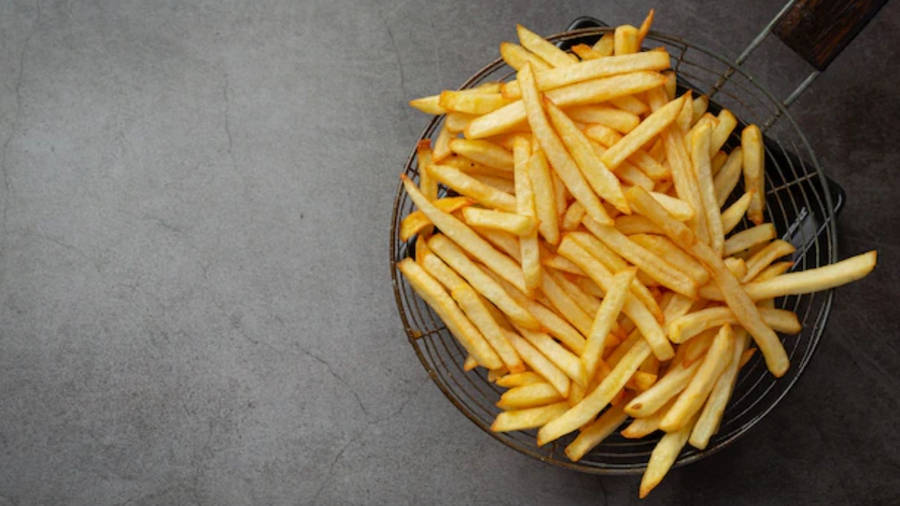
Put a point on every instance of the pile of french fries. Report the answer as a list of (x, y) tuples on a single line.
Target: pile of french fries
[(585, 258)]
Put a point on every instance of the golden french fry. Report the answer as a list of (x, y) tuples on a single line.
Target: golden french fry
[(470, 364), (478, 313), (500, 184), (508, 222), (528, 396), (525, 206), (707, 120), (505, 241), (662, 458), (605, 319), (561, 194), (471, 103), (423, 159), (592, 69), (529, 418), (736, 266), (749, 238), (726, 179), (726, 123), (683, 120), (691, 399), (630, 103), (643, 133), (645, 28), (634, 309), (717, 162), (539, 363), (679, 209), (442, 144), (663, 391), (587, 302), (458, 121), (555, 353), (732, 216), (645, 260), (454, 256), (561, 264), (416, 221), (596, 432), (517, 56), (599, 398), (640, 427), (428, 105), (735, 296), (483, 152), (566, 306), (560, 159), (472, 167), (685, 327), (773, 270), (711, 415), (762, 259), (544, 198), (435, 296), (586, 52), (544, 49), (518, 379), (610, 117), (604, 44), (573, 216), (625, 40), (636, 224), (699, 104), (664, 248), (703, 172), (671, 86), (468, 186), (511, 116), (601, 179), (754, 157), (683, 177)]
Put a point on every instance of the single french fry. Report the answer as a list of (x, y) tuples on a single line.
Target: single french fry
[(423, 158), (634, 309), (471, 103), (645, 28), (648, 262), (435, 296), (566, 306), (703, 172), (539, 363), (505, 241), (707, 120), (643, 133), (508, 222), (632, 104), (664, 248), (525, 206), (754, 169), (690, 401), (544, 198), (683, 120), (416, 221), (683, 178), (604, 320), (732, 216), (517, 56), (727, 178), (601, 179), (776, 269), (625, 40), (573, 216), (736, 266), (475, 309), (528, 396), (749, 238), (586, 52), (685, 327), (610, 117), (512, 116), (468, 186), (662, 458), (515, 379), (699, 104), (636, 224), (724, 127), (428, 105), (529, 418), (500, 184), (679, 209), (640, 427), (442, 144), (544, 49), (587, 302), (599, 398), (561, 194), (735, 296), (458, 121), (717, 162), (671, 86), (604, 44), (596, 432), (762, 259), (663, 391), (709, 419), (559, 158), (555, 353), (470, 364), (472, 167), (483, 152), (561, 264)]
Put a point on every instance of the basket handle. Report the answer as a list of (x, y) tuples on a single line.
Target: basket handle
[(818, 30)]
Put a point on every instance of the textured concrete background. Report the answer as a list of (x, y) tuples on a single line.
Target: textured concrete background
[(194, 290)]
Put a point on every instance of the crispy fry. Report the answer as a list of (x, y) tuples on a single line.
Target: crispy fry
[(596, 432), (773, 270), (529, 418), (711, 415), (611, 117), (566, 306), (732, 216), (500, 184), (528, 396), (663, 391), (679, 209), (511, 116), (428, 105), (433, 293), (458, 121), (605, 319), (561, 264), (483, 152), (700, 158), (683, 177), (753, 161), (685, 327), (468, 186), (555, 353), (645, 28), (604, 44), (539, 363), (643, 133), (625, 40), (416, 221), (632, 104), (727, 178), (726, 123), (601, 179), (525, 206), (442, 144), (547, 51), (471, 103), (573, 216), (666, 249), (748, 238), (736, 266), (662, 458), (508, 222), (518, 379), (636, 224), (762, 259), (559, 158), (640, 427), (699, 105), (587, 302), (423, 159), (517, 56)]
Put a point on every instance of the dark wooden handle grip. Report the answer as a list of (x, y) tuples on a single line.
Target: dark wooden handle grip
[(818, 30)]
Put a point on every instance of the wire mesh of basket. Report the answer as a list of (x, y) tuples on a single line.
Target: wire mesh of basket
[(800, 202)]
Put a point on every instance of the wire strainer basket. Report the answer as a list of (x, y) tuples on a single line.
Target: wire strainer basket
[(800, 202)]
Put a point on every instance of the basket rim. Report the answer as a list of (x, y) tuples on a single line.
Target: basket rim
[(682, 459)]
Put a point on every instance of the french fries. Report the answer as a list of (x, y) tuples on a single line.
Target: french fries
[(583, 254)]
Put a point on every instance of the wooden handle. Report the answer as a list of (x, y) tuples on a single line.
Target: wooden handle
[(818, 30)]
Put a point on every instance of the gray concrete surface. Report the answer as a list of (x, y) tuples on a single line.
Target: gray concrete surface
[(194, 289)]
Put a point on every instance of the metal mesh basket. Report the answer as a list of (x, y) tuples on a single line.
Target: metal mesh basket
[(800, 202)]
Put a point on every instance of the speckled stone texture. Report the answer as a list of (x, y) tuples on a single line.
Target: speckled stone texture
[(195, 304)]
